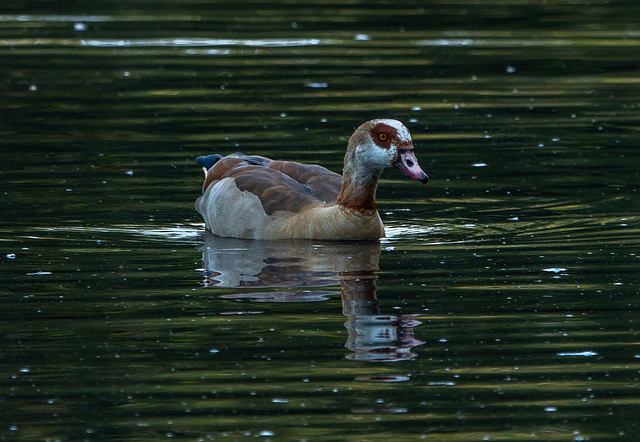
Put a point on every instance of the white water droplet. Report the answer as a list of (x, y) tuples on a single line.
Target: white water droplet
[(317, 85), (555, 270), (580, 353)]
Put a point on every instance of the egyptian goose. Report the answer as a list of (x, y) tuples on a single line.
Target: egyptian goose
[(254, 197)]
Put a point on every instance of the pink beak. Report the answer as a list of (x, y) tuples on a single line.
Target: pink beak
[(407, 163)]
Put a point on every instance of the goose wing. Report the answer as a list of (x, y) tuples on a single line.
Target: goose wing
[(280, 185)]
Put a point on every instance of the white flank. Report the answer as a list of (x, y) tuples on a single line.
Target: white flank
[(228, 211)]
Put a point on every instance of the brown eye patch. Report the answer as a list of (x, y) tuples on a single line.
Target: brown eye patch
[(383, 134)]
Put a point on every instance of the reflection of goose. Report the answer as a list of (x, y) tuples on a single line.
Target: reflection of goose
[(297, 264), (372, 336), (230, 262), (257, 198)]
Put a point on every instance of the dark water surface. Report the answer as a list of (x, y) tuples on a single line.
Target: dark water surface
[(502, 306)]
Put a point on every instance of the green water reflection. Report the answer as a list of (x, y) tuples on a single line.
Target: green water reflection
[(502, 306)]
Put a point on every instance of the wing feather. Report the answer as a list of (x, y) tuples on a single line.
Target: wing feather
[(280, 185)]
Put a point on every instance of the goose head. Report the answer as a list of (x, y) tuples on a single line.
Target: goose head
[(381, 143)]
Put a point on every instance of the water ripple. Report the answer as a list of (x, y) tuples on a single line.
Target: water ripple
[(61, 18), (171, 42)]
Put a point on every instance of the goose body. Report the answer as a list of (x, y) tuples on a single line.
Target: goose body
[(254, 197)]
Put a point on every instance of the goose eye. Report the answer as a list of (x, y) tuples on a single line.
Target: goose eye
[(383, 137)]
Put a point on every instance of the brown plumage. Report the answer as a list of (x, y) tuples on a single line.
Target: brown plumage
[(256, 197), (280, 185)]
